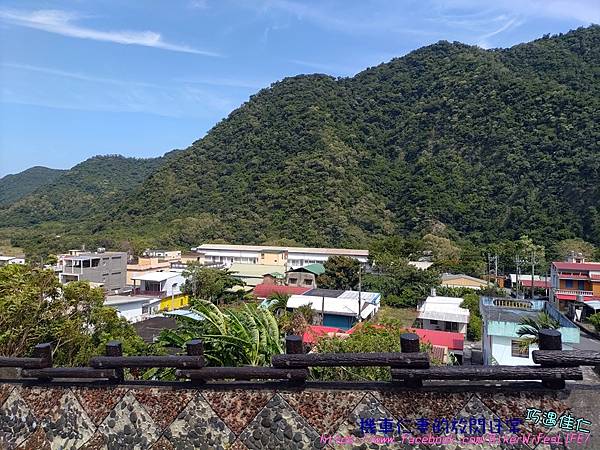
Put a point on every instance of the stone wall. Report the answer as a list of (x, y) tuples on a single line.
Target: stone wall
[(280, 415)]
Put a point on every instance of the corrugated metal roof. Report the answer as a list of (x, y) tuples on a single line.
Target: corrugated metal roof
[(335, 306), (444, 308), (258, 248), (560, 265), (255, 270), (454, 341), (265, 290), (156, 276), (184, 313)]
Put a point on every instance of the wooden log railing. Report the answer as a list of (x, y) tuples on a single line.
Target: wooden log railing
[(408, 368), (42, 357)]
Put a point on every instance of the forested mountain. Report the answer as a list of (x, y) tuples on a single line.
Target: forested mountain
[(491, 144), (91, 186), (15, 186)]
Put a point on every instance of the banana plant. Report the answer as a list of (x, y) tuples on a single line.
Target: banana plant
[(232, 337)]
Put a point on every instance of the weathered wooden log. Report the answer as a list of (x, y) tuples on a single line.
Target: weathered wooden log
[(551, 340), (244, 373), (115, 362), (409, 343), (195, 347), (489, 373), (420, 360), (566, 358), (25, 363), (68, 372), (115, 350), (42, 357), (293, 344)]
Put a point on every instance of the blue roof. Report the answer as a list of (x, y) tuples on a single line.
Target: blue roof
[(184, 313)]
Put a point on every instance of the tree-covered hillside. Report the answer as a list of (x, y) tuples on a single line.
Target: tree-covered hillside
[(489, 144), (15, 186), (91, 186)]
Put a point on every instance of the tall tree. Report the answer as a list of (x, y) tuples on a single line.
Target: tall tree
[(341, 272)]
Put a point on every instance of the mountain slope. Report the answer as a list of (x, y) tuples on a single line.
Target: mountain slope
[(15, 186), (91, 186), (491, 143)]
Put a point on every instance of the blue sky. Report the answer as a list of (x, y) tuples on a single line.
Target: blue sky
[(139, 78)]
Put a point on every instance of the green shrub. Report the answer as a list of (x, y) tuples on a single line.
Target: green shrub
[(474, 328), (595, 320)]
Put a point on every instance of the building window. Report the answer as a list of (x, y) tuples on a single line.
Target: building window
[(308, 282), (517, 351), (569, 284), (581, 285), (433, 322), (451, 326), (293, 280)]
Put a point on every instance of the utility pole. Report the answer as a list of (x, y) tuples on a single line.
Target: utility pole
[(496, 266), (487, 262), (532, 272), (518, 262), (359, 292)]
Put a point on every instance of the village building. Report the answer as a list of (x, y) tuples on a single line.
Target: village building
[(134, 308), (443, 314), (6, 260), (575, 285), (462, 281), (291, 257), (101, 268), (165, 286), (255, 274), (338, 308), (163, 255), (305, 276), (145, 265), (502, 319)]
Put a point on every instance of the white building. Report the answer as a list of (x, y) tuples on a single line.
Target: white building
[(422, 265), (443, 314), (338, 308), (134, 308), (292, 257), (158, 284), (165, 255), (502, 321), (6, 260)]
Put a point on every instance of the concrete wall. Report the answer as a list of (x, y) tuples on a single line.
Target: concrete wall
[(303, 279), (254, 416)]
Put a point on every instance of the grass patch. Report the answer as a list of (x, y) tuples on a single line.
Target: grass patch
[(404, 317)]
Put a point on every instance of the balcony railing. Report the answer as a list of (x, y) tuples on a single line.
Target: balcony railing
[(155, 294), (574, 292)]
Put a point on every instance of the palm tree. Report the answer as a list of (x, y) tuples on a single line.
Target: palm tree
[(529, 332)]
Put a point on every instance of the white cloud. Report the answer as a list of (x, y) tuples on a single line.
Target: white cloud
[(73, 75), (584, 11), (325, 68), (198, 4), (225, 82), (65, 24), (91, 93), (511, 23)]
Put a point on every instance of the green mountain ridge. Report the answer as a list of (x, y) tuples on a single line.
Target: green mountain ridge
[(86, 188), (488, 144), (16, 186)]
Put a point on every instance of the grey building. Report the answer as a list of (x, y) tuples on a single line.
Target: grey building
[(105, 269)]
